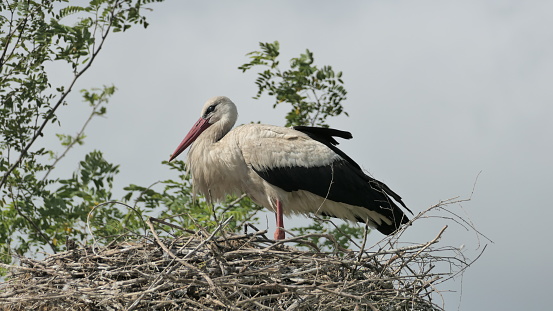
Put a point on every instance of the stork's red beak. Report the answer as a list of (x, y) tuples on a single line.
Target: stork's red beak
[(200, 126)]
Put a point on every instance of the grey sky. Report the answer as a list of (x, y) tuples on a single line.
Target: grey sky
[(438, 91)]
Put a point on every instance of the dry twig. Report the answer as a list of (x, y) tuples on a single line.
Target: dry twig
[(231, 272)]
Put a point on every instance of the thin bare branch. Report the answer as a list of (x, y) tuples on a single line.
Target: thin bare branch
[(60, 101)]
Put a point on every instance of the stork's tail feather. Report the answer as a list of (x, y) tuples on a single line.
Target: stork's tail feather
[(396, 224)]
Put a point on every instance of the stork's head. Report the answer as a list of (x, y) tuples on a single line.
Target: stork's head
[(218, 110)]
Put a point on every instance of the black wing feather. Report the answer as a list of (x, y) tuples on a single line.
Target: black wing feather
[(324, 133), (339, 183), (326, 136)]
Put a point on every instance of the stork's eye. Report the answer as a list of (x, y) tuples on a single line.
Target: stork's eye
[(210, 109)]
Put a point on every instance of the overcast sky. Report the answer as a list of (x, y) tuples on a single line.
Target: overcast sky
[(438, 92)]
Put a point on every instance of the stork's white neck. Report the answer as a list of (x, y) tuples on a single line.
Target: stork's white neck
[(201, 150), (215, 132), (208, 160)]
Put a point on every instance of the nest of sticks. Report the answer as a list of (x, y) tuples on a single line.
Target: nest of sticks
[(223, 271)]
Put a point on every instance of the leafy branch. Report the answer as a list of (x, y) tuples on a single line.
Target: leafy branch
[(314, 93), (34, 211), (95, 100), (78, 40)]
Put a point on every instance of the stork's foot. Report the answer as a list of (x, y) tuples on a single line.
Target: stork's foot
[(280, 234)]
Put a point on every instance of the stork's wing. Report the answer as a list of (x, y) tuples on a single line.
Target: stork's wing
[(326, 136), (309, 160)]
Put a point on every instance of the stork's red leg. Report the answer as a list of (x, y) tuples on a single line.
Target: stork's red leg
[(279, 233)]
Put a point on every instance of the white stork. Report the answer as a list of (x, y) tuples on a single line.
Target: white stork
[(287, 170)]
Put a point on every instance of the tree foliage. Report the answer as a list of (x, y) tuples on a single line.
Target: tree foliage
[(315, 94), (36, 210)]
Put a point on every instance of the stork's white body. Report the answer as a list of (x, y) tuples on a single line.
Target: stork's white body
[(260, 160), (229, 162)]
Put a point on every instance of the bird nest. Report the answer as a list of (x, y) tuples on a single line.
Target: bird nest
[(223, 271)]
